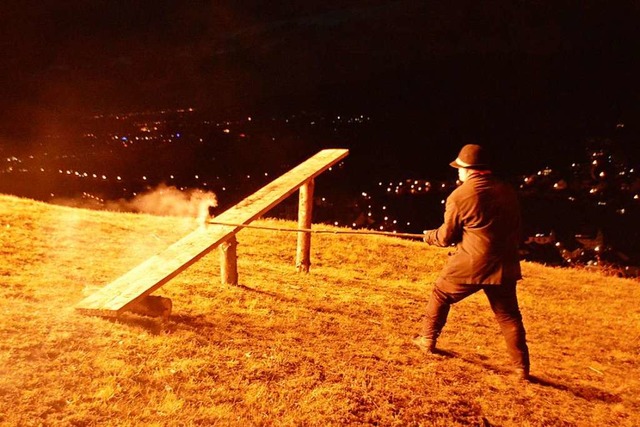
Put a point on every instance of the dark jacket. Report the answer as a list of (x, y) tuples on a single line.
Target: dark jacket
[(482, 216)]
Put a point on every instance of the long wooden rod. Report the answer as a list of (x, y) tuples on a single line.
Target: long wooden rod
[(309, 230)]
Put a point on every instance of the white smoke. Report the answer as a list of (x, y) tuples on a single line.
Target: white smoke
[(168, 201)]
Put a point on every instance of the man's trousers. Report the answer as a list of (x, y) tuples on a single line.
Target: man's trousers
[(504, 303)]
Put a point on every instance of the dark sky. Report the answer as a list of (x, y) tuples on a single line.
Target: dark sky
[(474, 66)]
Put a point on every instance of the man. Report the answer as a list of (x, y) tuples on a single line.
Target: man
[(482, 217)]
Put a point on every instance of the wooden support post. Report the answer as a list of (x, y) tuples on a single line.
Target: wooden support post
[(229, 261), (305, 212)]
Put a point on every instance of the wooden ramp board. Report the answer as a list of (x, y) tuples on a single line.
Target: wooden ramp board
[(142, 280)]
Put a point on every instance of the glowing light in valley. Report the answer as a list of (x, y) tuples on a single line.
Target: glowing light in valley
[(372, 217)]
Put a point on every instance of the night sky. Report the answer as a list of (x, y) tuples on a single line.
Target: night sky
[(515, 72)]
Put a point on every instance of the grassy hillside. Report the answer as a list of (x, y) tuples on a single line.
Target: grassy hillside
[(327, 348)]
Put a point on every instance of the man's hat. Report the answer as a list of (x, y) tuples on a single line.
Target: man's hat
[(471, 156)]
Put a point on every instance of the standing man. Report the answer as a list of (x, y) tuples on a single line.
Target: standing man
[(482, 217)]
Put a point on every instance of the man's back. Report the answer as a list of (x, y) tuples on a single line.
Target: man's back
[(483, 218)]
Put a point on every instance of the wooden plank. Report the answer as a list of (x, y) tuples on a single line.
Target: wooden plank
[(142, 280)]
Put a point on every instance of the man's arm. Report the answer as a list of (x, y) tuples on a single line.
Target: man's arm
[(449, 232)]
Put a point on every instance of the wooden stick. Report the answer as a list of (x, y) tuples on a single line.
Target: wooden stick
[(309, 230)]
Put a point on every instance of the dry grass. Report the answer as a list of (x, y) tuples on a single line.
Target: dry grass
[(328, 348)]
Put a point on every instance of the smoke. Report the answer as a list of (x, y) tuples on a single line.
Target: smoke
[(168, 201)]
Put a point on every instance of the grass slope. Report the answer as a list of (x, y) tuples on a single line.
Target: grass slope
[(331, 347)]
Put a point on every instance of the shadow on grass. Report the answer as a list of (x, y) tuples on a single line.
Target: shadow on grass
[(153, 325), (445, 353), (274, 295), (320, 307), (587, 393)]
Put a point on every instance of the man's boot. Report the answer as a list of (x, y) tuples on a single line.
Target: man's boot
[(425, 344)]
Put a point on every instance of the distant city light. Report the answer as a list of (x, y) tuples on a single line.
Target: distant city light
[(611, 188)]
